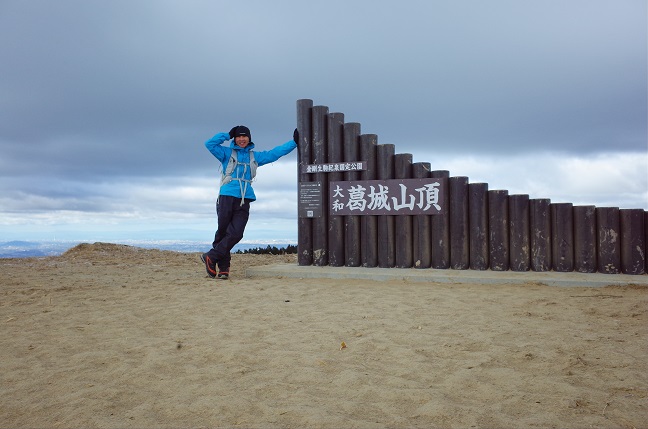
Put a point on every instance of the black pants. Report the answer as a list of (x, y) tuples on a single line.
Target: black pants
[(232, 218)]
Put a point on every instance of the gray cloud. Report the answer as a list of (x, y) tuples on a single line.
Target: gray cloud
[(95, 91)]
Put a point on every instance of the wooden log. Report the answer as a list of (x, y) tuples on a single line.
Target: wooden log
[(608, 237), (459, 224), (335, 132), (386, 228), (519, 231), (320, 149), (478, 218), (369, 224), (421, 232), (404, 231), (585, 239), (304, 225), (540, 238), (441, 230), (633, 243), (562, 237), (498, 237), (352, 249)]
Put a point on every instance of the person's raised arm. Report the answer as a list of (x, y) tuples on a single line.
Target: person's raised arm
[(214, 144), (268, 156)]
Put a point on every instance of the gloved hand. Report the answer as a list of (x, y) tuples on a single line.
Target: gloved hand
[(232, 132), (296, 136)]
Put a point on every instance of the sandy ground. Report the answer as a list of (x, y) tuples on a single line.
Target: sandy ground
[(114, 336)]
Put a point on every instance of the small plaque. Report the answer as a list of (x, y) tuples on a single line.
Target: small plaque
[(310, 199), (334, 167)]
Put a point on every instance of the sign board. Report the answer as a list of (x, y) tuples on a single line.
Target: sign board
[(310, 199), (335, 167), (387, 197)]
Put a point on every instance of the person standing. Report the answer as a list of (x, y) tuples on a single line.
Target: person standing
[(239, 163)]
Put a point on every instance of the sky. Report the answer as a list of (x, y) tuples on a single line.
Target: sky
[(105, 105)]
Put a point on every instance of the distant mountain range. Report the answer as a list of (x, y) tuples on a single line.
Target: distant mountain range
[(34, 249)]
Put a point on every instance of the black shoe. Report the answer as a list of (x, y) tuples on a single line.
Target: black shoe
[(210, 266), (223, 275)]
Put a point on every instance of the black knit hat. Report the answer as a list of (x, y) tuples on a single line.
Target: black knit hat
[(242, 130)]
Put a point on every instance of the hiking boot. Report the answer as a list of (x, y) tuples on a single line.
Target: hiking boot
[(210, 266), (223, 275)]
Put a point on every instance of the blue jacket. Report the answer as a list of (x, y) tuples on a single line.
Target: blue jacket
[(223, 153)]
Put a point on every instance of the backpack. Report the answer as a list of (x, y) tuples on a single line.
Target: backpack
[(231, 167)]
